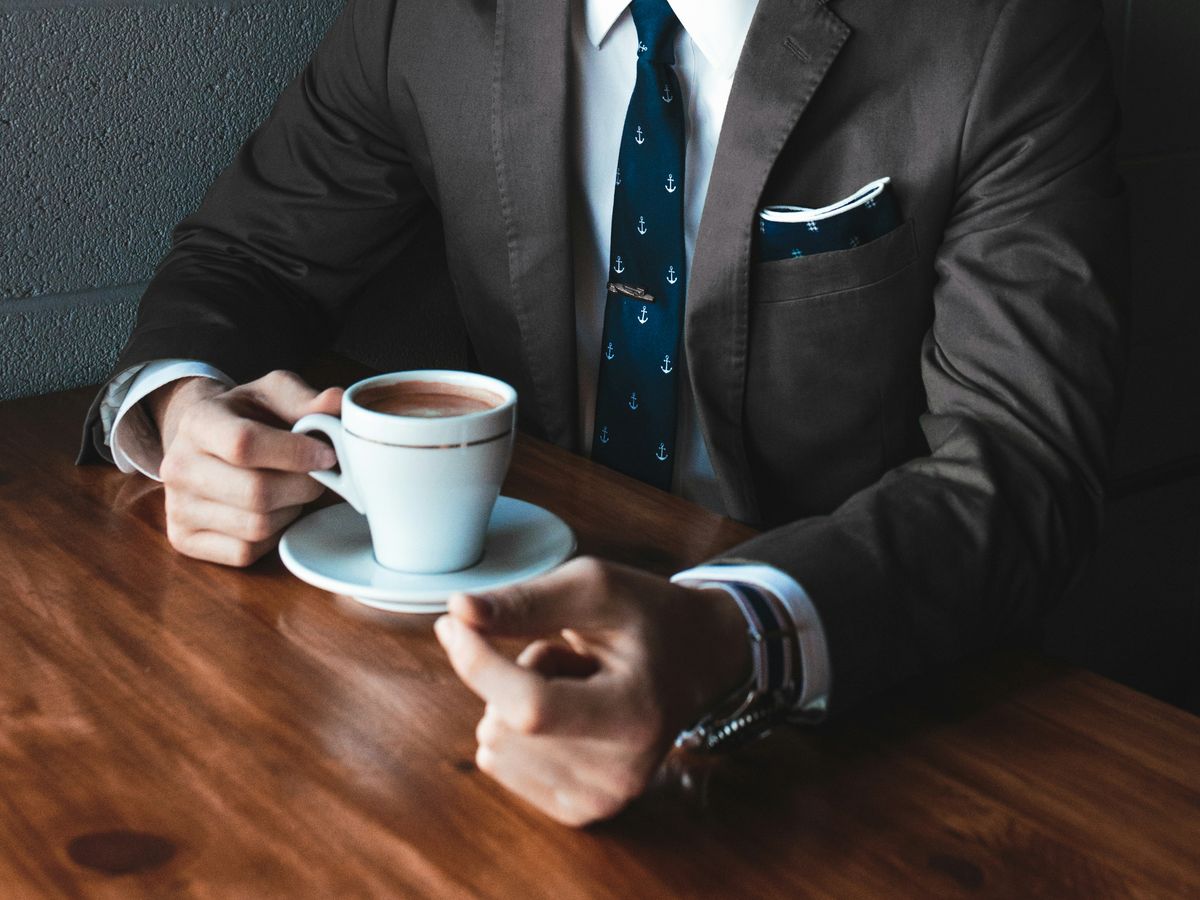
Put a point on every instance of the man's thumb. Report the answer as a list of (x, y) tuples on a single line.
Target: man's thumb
[(581, 594), (329, 401)]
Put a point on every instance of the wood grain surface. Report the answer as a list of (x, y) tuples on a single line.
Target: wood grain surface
[(175, 728)]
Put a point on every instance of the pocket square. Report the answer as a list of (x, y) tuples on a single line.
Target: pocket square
[(785, 232)]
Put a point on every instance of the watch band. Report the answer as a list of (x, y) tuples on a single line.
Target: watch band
[(767, 697)]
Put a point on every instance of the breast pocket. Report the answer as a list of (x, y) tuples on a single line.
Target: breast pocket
[(839, 270), (833, 388)]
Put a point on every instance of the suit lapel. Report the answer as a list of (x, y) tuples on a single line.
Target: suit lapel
[(789, 48), (530, 140)]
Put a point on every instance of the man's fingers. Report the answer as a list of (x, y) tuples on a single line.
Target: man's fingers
[(527, 702), (329, 401), (521, 764), (197, 514), (553, 659), (582, 594), (536, 784), (485, 671), (221, 548), (235, 475), (284, 394), (249, 426), (248, 444), (204, 476), (515, 694)]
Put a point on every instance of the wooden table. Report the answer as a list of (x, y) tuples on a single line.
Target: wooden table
[(174, 728)]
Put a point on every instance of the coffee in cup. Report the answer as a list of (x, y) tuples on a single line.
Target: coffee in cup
[(422, 455), (427, 399)]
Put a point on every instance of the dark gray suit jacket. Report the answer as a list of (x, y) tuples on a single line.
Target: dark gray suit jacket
[(921, 423)]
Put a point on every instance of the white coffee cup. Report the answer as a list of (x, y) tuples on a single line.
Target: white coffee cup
[(426, 479)]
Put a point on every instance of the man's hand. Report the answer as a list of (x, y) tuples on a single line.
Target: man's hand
[(623, 662), (234, 475)]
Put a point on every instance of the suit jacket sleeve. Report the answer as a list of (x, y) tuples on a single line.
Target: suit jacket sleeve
[(1021, 370), (319, 199)]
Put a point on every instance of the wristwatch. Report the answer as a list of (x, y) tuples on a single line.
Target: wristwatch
[(767, 697)]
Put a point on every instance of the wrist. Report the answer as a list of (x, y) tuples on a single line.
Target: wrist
[(166, 405), (724, 660), (764, 698)]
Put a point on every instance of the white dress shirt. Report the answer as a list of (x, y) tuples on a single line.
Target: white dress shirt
[(603, 54)]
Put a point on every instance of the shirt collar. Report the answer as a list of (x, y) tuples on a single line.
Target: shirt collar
[(718, 28)]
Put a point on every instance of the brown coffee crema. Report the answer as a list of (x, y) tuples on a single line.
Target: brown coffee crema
[(426, 399)]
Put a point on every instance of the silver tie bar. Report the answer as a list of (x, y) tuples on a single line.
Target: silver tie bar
[(629, 290)]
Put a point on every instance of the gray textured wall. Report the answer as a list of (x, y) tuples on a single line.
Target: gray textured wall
[(113, 119)]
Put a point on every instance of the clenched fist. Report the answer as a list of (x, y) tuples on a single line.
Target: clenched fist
[(620, 661)]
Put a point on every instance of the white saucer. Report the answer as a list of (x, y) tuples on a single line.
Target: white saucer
[(331, 549)]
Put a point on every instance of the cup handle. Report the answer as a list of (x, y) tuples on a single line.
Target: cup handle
[(331, 427)]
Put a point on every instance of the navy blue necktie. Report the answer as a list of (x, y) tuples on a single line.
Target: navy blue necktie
[(637, 392)]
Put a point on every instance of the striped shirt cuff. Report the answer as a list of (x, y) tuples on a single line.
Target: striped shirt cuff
[(816, 677)]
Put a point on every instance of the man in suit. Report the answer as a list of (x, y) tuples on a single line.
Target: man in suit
[(919, 424)]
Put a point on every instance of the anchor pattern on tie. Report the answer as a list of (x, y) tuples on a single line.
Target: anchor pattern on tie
[(637, 391)]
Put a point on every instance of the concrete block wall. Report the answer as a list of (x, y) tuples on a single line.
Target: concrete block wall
[(114, 117)]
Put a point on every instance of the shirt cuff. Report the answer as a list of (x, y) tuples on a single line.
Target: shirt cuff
[(810, 635), (134, 441)]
